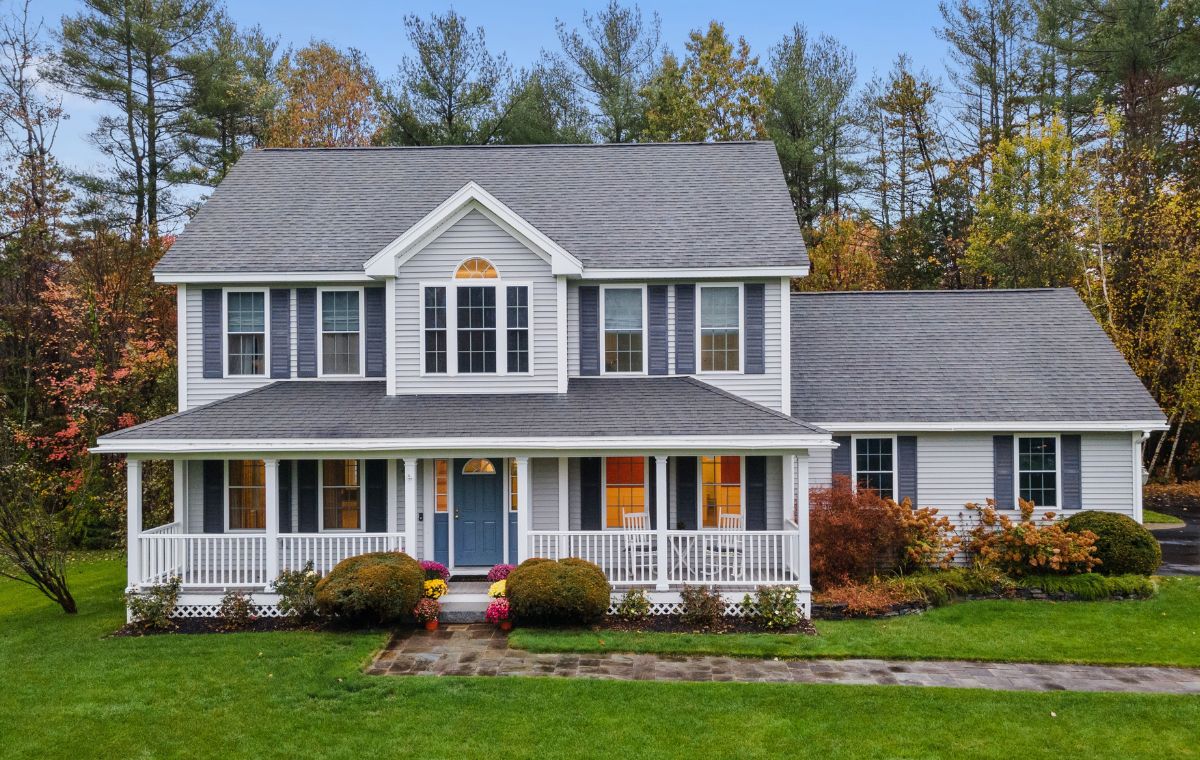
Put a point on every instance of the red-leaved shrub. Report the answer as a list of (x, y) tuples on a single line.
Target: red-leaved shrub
[(853, 533)]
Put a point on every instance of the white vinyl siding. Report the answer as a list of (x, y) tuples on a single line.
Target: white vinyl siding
[(1109, 478), (471, 236), (543, 496), (202, 390)]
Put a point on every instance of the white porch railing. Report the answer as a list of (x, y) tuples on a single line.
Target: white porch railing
[(326, 550), (215, 560), (695, 557)]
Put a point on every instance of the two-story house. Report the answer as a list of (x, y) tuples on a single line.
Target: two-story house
[(483, 354)]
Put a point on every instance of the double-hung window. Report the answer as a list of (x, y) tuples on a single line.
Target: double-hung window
[(518, 328), (623, 333), (341, 496), (624, 489), (246, 332), (341, 332), (874, 465), (247, 486), (720, 489), (720, 328), (1037, 470), (435, 330), (465, 326), (476, 329)]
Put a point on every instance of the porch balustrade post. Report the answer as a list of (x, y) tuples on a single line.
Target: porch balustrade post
[(660, 518), (523, 501), (179, 483), (410, 507), (802, 518), (271, 474), (133, 510)]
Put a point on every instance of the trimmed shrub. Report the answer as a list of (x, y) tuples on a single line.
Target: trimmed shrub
[(703, 607), (372, 588), (634, 606), (563, 592), (1122, 545), (773, 607), (153, 609), (1024, 547)]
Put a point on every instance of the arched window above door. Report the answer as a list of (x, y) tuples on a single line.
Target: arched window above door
[(479, 467), (476, 269)]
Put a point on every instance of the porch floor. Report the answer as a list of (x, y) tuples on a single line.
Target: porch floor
[(482, 650)]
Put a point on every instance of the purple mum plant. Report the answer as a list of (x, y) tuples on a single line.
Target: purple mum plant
[(435, 570), (499, 572)]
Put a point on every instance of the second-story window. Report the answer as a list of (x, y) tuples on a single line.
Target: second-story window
[(476, 329), (622, 329), (720, 329), (246, 328), (340, 332), (435, 329), (518, 328)]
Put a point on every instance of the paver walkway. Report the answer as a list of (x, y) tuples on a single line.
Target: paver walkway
[(482, 650)]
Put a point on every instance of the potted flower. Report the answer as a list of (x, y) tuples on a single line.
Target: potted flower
[(427, 611), (499, 572), (435, 570), (498, 589), (497, 612), (435, 589)]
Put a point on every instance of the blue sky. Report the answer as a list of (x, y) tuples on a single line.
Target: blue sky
[(874, 31)]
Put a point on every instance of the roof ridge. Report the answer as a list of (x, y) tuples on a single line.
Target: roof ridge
[(522, 146), (936, 291), (745, 401)]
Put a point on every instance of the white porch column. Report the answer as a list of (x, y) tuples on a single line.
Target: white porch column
[(133, 510), (523, 502), (271, 474), (393, 495), (789, 487), (802, 518), (660, 517), (410, 507), (179, 483)]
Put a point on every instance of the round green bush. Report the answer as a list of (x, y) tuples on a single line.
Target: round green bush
[(569, 591), (1122, 545), (372, 588)]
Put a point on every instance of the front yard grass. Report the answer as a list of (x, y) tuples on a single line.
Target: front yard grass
[(67, 689), (1159, 518), (1164, 630)]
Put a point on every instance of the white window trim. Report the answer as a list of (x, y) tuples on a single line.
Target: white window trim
[(362, 497), (645, 331), (451, 287), (225, 331), (509, 463), (225, 490), (362, 332), (700, 490), (741, 315), (895, 439), (465, 259), (604, 490), (1058, 492)]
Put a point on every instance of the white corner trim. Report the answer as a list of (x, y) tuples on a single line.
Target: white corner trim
[(785, 336), (560, 317), (973, 426), (258, 278), (181, 355), (384, 263)]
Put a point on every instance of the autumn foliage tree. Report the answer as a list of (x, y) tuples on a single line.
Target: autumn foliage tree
[(328, 99), (844, 255)]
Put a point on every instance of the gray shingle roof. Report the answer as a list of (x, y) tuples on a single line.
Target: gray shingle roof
[(592, 407), (943, 356), (661, 205)]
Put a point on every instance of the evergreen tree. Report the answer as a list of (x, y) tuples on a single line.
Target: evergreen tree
[(728, 84), (672, 112)]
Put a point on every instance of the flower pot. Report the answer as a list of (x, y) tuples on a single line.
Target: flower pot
[(506, 625), (431, 625)]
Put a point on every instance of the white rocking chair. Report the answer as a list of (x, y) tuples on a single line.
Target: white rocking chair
[(638, 545)]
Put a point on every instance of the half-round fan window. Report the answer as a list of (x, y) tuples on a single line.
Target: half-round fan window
[(476, 269), (479, 467)]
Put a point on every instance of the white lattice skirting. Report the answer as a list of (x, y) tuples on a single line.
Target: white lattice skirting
[(671, 603)]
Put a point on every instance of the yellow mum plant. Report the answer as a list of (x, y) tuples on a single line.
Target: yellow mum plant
[(498, 589), (436, 588)]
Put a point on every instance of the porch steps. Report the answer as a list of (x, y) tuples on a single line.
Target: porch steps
[(465, 602)]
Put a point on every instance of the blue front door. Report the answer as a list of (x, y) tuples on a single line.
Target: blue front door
[(478, 514)]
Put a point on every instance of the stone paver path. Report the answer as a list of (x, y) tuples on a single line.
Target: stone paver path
[(482, 650)]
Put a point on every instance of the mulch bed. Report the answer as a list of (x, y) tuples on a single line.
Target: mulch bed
[(675, 624)]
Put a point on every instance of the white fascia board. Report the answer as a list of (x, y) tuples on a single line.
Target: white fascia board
[(232, 278), (973, 426), (697, 273), (389, 446), (384, 263)]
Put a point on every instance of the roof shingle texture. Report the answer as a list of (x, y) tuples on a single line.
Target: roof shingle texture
[(592, 407), (628, 206), (947, 356)]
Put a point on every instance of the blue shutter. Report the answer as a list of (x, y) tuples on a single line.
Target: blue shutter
[(214, 496), (210, 331), (375, 324), (285, 496), (376, 487), (1072, 472), (281, 333), (841, 456), (652, 495), (906, 464), (1002, 471), (756, 493), (306, 495), (589, 330), (754, 308), (306, 332), (685, 493), (656, 304), (512, 538), (589, 494), (685, 329)]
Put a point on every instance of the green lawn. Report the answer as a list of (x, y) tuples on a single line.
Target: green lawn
[(1164, 630), (69, 690), (1150, 516)]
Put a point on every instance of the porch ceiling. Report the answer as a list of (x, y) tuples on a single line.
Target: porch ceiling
[(633, 411)]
